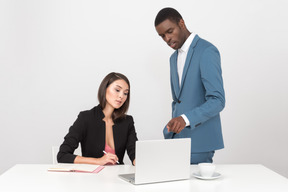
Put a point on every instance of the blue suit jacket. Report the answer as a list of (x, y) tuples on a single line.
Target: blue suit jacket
[(200, 97)]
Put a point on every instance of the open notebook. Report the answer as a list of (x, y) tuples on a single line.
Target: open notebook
[(84, 168)]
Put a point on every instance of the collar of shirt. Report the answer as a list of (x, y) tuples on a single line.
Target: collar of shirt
[(187, 43)]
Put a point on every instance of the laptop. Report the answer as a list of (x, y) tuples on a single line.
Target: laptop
[(160, 161)]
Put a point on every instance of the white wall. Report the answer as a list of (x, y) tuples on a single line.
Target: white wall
[(54, 54)]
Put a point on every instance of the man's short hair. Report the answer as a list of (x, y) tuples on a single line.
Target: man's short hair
[(167, 13)]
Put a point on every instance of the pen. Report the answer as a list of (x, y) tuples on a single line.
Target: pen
[(106, 153)]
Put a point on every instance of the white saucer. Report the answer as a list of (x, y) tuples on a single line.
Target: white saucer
[(214, 176)]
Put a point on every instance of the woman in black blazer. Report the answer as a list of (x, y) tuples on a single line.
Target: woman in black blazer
[(105, 127)]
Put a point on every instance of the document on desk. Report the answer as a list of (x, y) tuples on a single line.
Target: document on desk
[(84, 168)]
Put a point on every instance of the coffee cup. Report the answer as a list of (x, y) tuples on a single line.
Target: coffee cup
[(206, 169)]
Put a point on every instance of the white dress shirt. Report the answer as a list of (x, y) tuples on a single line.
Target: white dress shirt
[(182, 54)]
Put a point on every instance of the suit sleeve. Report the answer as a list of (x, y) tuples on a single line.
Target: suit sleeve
[(71, 141), (211, 77), (169, 135), (131, 140)]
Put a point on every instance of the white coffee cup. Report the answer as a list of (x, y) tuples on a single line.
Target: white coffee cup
[(206, 169)]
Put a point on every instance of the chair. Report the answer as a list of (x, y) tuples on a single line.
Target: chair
[(55, 150)]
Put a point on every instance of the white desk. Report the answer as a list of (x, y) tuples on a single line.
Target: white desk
[(36, 178)]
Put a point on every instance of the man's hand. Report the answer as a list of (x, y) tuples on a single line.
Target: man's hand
[(176, 125)]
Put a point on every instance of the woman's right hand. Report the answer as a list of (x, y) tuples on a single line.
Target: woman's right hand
[(108, 158)]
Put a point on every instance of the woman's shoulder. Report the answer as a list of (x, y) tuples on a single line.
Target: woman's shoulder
[(126, 119), (95, 111), (129, 118)]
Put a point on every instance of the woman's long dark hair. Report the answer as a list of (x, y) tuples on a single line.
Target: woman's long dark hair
[(110, 78)]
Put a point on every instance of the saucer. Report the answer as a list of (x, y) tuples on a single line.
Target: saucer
[(214, 176)]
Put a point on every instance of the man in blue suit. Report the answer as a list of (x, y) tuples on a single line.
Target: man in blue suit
[(196, 85)]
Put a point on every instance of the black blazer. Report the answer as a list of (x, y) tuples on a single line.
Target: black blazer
[(89, 130)]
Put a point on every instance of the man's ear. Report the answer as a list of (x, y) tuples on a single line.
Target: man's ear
[(181, 24)]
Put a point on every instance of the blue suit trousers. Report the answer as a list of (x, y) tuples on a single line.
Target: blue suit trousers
[(205, 157)]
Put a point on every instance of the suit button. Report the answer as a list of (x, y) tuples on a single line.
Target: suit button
[(179, 101)]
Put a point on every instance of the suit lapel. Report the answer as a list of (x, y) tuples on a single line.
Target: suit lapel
[(188, 61)]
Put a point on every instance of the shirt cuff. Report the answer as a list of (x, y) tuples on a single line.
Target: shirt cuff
[(186, 120)]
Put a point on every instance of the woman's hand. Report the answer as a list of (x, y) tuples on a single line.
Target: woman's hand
[(108, 158)]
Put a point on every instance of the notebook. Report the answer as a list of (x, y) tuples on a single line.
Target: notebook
[(84, 168), (161, 160)]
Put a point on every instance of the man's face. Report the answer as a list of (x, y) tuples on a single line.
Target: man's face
[(172, 33)]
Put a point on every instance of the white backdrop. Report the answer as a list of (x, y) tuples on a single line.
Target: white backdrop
[(54, 54)]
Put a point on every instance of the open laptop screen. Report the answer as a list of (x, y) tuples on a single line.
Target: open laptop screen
[(161, 160)]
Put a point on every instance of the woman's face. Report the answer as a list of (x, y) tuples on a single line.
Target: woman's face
[(116, 93)]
